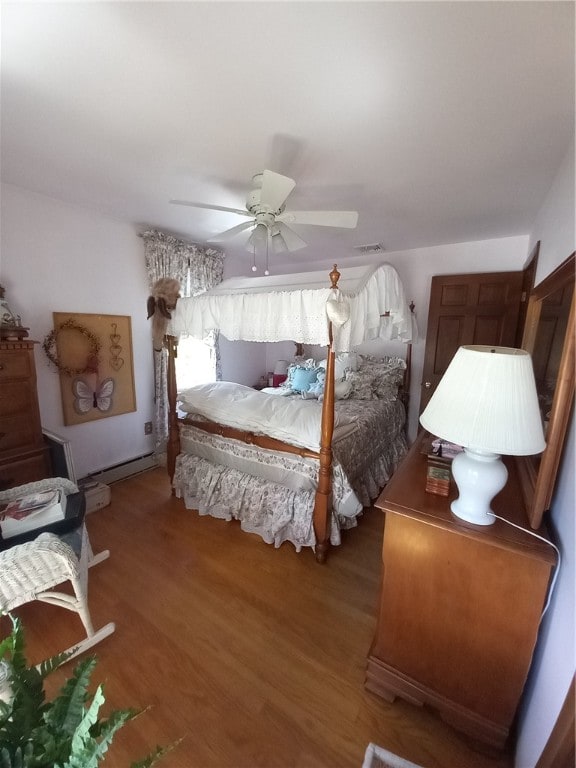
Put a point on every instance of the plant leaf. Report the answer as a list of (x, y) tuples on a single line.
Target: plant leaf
[(87, 751), (154, 756), (82, 731), (67, 710)]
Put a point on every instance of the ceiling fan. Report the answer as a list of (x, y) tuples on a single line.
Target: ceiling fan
[(265, 208)]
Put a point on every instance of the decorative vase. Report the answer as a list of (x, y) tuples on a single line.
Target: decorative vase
[(10, 324)]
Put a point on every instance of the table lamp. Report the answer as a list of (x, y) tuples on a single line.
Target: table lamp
[(487, 403), (280, 373)]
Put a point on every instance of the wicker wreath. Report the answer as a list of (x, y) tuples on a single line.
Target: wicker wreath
[(49, 345)]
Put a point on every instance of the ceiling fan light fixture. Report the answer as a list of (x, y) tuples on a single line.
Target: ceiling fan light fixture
[(261, 233), (259, 245), (278, 243), (258, 238)]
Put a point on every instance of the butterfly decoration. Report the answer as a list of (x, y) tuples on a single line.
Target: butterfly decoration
[(86, 398)]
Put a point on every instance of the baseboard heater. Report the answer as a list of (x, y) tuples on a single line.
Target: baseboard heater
[(125, 470)]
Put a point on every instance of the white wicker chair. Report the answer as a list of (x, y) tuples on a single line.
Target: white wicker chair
[(30, 572)]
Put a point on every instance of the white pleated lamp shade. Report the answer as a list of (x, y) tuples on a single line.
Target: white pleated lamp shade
[(281, 367), (487, 401)]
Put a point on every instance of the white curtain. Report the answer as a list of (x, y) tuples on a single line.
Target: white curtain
[(198, 269)]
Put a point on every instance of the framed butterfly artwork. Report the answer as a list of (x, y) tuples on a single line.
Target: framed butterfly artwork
[(93, 355)]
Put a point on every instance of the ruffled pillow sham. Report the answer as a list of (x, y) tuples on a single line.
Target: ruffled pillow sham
[(377, 378), (301, 375)]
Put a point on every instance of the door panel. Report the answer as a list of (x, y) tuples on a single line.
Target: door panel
[(468, 309), (486, 329), (492, 294), (450, 331)]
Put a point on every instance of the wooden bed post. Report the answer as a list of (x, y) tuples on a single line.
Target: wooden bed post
[(323, 500), (173, 445)]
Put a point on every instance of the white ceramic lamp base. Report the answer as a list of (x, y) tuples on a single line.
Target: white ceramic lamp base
[(479, 477)]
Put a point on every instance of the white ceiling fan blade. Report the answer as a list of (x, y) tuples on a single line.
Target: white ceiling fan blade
[(293, 241), (347, 219), (227, 234), (275, 189), (211, 207)]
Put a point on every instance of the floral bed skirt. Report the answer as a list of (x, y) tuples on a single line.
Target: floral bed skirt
[(277, 511)]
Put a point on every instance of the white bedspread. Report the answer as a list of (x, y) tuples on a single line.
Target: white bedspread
[(292, 420)]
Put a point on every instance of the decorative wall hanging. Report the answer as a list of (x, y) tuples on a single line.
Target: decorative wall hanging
[(93, 355)]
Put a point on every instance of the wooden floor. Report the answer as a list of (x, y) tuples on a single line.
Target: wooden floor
[(254, 656)]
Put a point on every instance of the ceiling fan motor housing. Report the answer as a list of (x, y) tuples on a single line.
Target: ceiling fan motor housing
[(256, 208)]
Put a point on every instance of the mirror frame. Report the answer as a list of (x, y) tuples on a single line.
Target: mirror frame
[(538, 473)]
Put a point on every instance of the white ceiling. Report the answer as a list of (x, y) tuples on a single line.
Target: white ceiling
[(440, 122)]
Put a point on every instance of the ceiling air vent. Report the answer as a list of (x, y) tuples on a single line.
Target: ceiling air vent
[(370, 249)]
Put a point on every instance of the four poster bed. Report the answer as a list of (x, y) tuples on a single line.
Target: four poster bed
[(288, 466)]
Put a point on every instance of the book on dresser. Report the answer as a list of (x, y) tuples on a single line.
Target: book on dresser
[(31, 511)]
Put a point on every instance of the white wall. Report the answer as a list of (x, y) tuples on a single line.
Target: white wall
[(59, 258), (242, 361), (554, 225), (56, 257), (555, 659)]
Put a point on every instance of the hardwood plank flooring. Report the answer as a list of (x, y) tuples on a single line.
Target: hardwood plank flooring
[(255, 657)]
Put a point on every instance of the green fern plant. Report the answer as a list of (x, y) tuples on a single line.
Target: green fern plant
[(66, 732)]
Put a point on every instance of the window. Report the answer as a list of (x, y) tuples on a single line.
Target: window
[(195, 363)]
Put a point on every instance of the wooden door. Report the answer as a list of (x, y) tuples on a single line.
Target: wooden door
[(468, 309)]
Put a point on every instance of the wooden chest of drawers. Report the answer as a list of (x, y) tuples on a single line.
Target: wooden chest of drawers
[(23, 455), (460, 604)]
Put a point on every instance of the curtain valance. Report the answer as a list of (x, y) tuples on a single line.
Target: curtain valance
[(197, 267)]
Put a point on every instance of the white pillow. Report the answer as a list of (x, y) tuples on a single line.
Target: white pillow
[(349, 360), (339, 368), (338, 309), (342, 390)]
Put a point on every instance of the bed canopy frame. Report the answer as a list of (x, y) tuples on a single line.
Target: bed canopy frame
[(377, 309)]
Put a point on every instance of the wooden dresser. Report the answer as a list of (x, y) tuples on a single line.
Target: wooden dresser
[(460, 604), (23, 455)]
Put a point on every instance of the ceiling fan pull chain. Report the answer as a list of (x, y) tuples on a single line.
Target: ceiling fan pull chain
[(266, 271)]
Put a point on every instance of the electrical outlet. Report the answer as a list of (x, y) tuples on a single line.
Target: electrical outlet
[(147, 427)]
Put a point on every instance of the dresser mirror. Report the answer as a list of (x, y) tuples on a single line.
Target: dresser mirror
[(549, 337)]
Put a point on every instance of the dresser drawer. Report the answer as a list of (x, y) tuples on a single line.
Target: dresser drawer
[(17, 397), (17, 364), (25, 469), (18, 433)]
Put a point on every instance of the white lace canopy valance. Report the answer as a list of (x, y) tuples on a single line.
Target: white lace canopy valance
[(293, 307)]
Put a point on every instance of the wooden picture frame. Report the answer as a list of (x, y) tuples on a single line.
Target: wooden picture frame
[(95, 361), (549, 337)]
